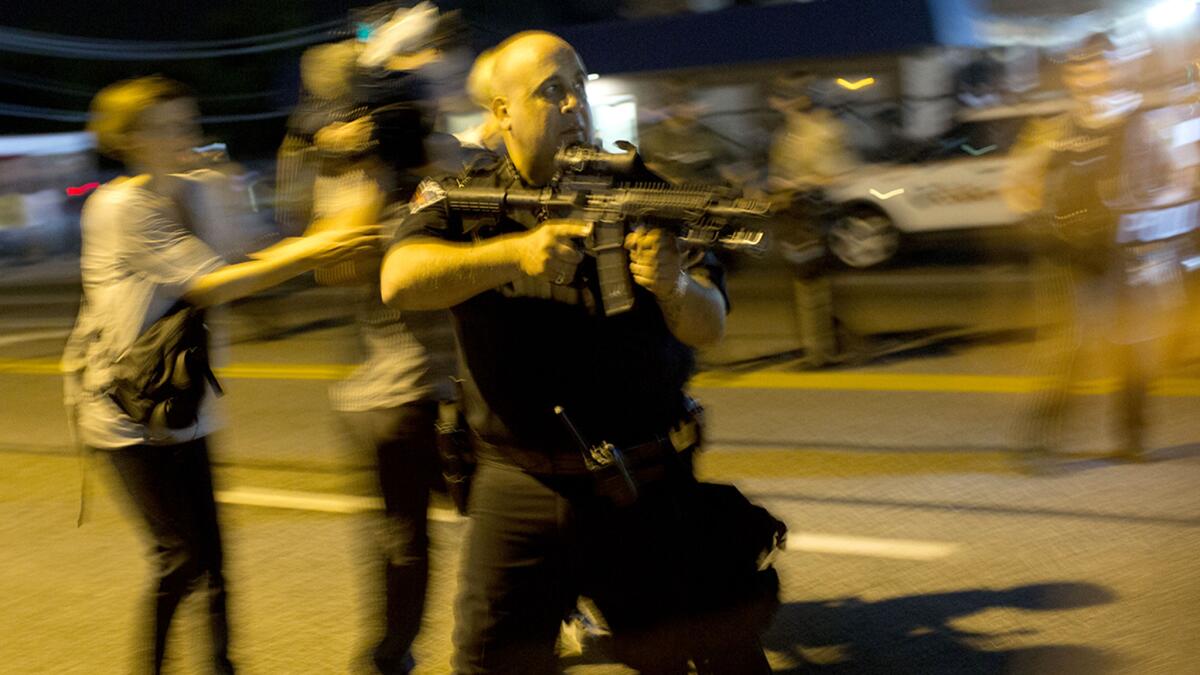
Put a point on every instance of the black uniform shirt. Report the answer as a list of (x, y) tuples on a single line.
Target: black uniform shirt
[(1082, 181), (527, 347)]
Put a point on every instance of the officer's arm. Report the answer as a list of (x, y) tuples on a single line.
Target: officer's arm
[(1023, 181), (427, 273), (423, 270), (692, 300), (696, 316)]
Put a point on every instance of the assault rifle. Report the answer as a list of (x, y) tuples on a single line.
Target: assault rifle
[(588, 186)]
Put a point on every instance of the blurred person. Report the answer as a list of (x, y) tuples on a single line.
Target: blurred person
[(810, 150), (978, 83), (1112, 211), (390, 404), (485, 135), (807, 154), (1176, 213), (140, 258), (325, 73), (683, 150), (544, 529), (1186, 347), (218, 195)]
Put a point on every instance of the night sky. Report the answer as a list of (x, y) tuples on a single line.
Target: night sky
[(267, 84), (229, 85)]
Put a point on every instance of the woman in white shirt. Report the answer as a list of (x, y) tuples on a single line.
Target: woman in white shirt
[(139, 259)]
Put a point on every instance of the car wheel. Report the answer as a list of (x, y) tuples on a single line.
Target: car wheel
[(863, 238)]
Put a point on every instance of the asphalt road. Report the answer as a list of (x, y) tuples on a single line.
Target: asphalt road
[(916, 545), (902, 563)]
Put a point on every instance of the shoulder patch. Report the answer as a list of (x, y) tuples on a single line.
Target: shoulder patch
[(428, 193)]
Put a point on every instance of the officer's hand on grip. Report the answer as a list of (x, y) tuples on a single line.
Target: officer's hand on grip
[(654, 260), (548, 252)]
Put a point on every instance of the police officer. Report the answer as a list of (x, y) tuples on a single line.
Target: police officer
[(808, 154), (1103, 181), (543, 528)]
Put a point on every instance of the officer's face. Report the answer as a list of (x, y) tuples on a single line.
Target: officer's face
[(546, 108)]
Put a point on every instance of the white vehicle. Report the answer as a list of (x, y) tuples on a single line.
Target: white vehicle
[(955, 185)]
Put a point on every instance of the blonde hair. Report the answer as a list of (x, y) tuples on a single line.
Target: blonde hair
[(116, 109), (326, 69)]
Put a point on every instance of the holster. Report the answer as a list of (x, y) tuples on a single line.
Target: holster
[(649, 462), (455, 452)]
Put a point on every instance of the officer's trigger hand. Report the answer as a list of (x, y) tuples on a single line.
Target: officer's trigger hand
[(570, 228), (549, 250)]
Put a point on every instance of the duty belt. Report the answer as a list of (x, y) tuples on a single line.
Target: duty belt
[(679, 438), (648, 460), (652, 460)]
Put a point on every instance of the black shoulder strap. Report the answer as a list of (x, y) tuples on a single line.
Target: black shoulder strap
[(479, 164)]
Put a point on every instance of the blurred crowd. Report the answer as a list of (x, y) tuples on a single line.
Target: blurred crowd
[(1102, 184)]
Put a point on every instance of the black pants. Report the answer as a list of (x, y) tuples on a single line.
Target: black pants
[(535, 543), (171, 487), (404, 443), (1104, 303)]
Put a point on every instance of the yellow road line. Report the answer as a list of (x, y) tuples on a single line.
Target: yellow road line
[(743, 463), (237, 371), (29, 366), (857, 381), (926, 382), (277, 371), (996, 384)]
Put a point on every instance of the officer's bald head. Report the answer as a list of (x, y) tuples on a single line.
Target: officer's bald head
[(539, 100), (513, 58)]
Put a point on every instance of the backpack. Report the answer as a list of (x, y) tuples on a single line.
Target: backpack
[(161, 378)]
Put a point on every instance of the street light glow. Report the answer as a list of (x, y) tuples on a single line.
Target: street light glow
[(1169, 13)]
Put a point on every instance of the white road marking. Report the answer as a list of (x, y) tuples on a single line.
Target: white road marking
[(886, 195), (977, 151), (33, 336), (326, 502), (302, 501), (900, 549)]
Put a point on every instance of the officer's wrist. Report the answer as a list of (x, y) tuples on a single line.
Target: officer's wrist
[(677, 291), (511, 255)]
